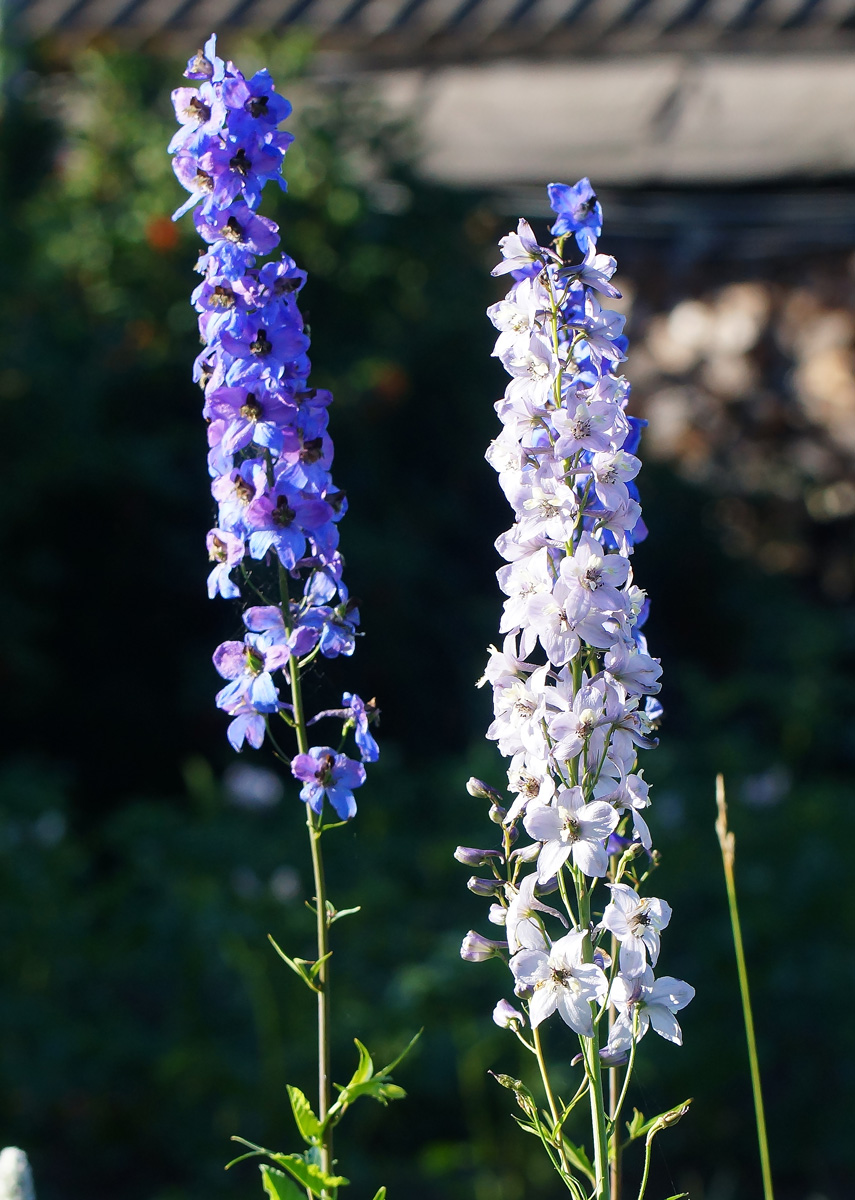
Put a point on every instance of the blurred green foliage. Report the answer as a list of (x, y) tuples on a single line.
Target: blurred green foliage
[(144, 1017)]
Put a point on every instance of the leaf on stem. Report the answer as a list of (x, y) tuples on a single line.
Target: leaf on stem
[(308, 1174), (308, 1124), (278, 1185), (365, 1081), (381, 1194), (305, 968), (337, 915)]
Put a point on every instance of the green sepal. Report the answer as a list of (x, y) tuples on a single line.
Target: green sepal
[(308, 1174), (278, 1185), (308, 1124)]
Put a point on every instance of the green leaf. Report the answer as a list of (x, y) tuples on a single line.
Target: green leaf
[(391, 1066), (680, 1196), (366, 1065), (254, 1151), (317, 964), (308, 1174), (297, 965), (637, 1127), (337, 916), (278, 1185), (579, 1159), (307, 1123), (381, 1194)]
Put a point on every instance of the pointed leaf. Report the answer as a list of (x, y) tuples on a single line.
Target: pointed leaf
[(365, 1070), (403, 1054), (381, 1194), (278, 1185), (309, 1175), (579, 1159), (254, 1151), (307, 1123), (637, 1127), (298, 965), (337, 916), (318, 963)]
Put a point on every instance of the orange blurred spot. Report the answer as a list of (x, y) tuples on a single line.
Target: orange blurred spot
[(161, 234)]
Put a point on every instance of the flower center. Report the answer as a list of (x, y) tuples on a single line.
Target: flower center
[(283, 514), (262, 345), (232, 231), (222, 297), (240, 163), (250, 408)]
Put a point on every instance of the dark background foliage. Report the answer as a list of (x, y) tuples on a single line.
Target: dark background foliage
[(144, 1017)]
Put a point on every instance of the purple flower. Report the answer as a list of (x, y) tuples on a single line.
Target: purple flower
[(269, 450), (578, 212), (325, 773), (226, 551), (361, 713), (248, 666)]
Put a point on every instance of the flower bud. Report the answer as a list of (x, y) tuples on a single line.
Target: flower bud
[(472, 857), (476, 948), (507, 1017), (484, 887), (497, 814), (482, 791), (527, 854), (497, 915)]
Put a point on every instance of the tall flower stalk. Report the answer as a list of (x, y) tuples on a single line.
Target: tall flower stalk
[(573, 691), (276, 534)]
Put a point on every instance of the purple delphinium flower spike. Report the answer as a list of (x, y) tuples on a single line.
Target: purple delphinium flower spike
[(270, 452)]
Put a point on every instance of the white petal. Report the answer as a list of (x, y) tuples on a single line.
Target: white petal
[(664, 1022)]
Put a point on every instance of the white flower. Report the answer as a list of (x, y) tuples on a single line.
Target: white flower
[(570, 827), (635, 922), (560, 980), (653, 1002), (523, 928)]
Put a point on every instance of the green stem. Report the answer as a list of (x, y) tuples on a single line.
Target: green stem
[(591, 1056), (547, 1087), (727, 842), (322, 979), (647, 1148)]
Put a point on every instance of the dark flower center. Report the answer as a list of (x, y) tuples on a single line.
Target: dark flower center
[(204, 182), (243, 491), (232, 230), (198, 108), (222, 297), (325, 769), (218, 552), (283, 514), (250, 408), (240, 163), (312, 450), (257, 106), (261, 345)]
